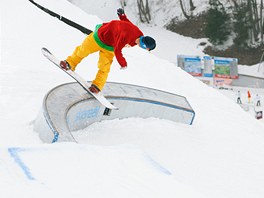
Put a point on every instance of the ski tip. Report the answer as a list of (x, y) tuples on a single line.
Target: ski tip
[(45, 51)]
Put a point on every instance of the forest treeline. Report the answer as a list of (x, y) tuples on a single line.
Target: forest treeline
[(240, 20)]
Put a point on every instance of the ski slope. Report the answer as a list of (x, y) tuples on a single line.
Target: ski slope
[(220, 155)]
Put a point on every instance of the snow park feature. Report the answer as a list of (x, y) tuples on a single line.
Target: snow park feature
[(68, 108)]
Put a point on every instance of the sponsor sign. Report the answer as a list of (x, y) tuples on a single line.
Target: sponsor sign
[(225, 67), (193, 66)]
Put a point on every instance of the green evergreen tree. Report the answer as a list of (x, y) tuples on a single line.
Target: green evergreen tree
[(242, 25), (217, 27)]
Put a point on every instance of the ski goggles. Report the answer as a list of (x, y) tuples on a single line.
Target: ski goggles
[(141, 43)]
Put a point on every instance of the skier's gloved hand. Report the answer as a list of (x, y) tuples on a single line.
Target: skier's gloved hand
[(65, 65), (120, 11), (93, 88)]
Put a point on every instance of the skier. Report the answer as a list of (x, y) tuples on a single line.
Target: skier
[(249, 96), (109, 39), (239, 97), (258, 100)]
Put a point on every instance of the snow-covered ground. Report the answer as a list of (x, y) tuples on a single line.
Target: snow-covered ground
[(220, 155)]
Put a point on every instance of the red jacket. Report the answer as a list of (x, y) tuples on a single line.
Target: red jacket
[(249, 95), (117, 34)]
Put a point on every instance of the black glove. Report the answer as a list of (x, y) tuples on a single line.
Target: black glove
[(120, 11)]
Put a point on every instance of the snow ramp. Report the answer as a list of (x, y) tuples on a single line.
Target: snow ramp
[(68, 108)]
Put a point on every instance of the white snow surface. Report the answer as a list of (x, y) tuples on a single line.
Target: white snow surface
[(220, 155)]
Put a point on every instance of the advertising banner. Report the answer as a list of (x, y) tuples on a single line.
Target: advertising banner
[(225, 67), (193, 66), (219, 71), (208, 66)]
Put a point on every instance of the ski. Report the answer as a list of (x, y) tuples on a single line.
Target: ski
[(85, 85)]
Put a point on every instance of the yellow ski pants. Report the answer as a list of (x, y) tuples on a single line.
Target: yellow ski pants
[(90, 46)]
